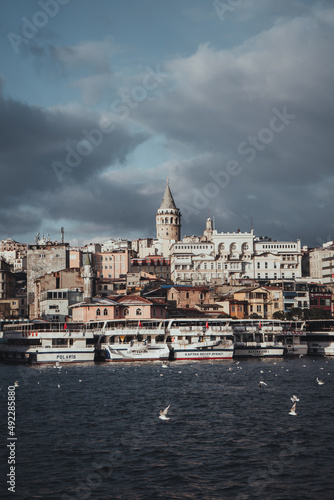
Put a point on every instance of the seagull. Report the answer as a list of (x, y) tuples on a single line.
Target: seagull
[(163, 413), (16, 384), (164, 365), (261, 383), (58, 386), (320, 382), (293, 410), (294, 398)]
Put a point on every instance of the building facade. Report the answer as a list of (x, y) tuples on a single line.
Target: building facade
[(42, 258), (223, 257)]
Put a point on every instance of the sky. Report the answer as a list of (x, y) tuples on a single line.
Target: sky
[(101, 101)]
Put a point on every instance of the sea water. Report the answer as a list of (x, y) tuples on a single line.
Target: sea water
[(92, 431)]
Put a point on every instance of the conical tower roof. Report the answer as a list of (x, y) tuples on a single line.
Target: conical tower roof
[(87, 260), (168, 201)]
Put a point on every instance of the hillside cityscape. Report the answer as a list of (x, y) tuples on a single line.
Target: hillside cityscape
[(217, 274)]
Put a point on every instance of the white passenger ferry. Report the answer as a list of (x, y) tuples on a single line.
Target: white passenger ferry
[(254, 338), (320, 337), (173, 339), (44, 342), (131, 340), (293, 338), (199, 339)]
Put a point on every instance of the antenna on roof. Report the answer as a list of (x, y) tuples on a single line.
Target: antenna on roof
[(252, 223)]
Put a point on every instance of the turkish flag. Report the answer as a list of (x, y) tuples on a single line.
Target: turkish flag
[(65, 326), (140, 324), (207, 325)]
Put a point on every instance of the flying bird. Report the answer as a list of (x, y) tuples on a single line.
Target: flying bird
[(294, 398), (16, 384), (320, 382), (163, 413), (293, 410), (262, 384)]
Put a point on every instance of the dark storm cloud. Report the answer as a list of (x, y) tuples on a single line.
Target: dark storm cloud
[(33, 139), (222, 100)]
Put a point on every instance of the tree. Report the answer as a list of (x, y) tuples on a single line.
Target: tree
[(278, 315), (295, 313)]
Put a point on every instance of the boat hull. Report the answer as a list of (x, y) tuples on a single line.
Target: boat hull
[(192, 354), (48, 356), (124, 354), (259, 351), (321, 349)]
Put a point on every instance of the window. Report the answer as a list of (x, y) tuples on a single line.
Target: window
[(258, 308), (105, 312), (138, 312), (98, 312), (126, 312)]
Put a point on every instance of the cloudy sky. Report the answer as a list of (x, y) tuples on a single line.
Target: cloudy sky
[(101, 101)]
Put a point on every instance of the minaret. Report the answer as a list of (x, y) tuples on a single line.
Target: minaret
[(88, 277), (168, 218)]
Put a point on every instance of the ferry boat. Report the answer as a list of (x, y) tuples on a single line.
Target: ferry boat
[(44, 342), (257, 339), (293, 338), (199, 339), (173, 339), (320, 337), (130, 340)]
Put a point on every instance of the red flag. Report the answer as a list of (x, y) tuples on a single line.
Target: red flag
[(207, 325), (140, 324), (65, 326), (260, 324)]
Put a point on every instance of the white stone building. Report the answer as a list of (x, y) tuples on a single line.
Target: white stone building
[(322, 262), (224, 257)]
